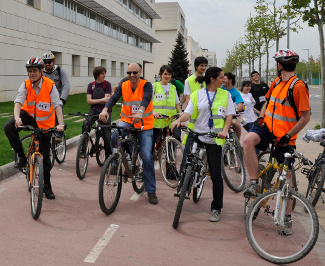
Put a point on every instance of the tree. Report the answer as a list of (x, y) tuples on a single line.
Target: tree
[(179, 61), (313, 12)]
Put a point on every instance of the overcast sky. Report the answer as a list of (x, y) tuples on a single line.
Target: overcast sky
[(218, 24)]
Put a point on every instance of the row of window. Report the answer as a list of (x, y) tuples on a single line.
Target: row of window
[(76, 13), (134, 8)]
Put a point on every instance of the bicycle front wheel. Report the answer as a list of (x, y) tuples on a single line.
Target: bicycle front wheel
[(232, 168), (100, 150), (198, 188), (170, 159), (110, 184), (37, 185), (82, 156), (271, 239), (182, 195), (137, 171), (315, 185), (60, 150)]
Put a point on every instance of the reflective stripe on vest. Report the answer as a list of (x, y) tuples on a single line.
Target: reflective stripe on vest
[(166, 106), (133, 99), (218, 120), (44, 118), (194, 85)]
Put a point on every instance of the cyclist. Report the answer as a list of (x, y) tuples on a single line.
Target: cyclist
[(60, 77), (165, 101), (35, 104), (277, 121), (228, 84), (98, 93), (137, 106), (209, 109)]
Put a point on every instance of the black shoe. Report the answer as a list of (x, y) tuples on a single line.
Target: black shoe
[(21, 161), (48, 192), (153, 198)]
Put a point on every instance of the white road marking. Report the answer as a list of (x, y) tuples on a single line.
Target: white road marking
[(135, 196), (2, 189), (101, 244)]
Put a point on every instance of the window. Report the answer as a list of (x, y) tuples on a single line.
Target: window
[(122, 70), (80, 15), (75, 65), (91, 65), (113, 74), (58, 8), (30, 2), (103, 63)]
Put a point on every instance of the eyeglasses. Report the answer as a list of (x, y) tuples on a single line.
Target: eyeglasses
[(132, 72), (48, 62), (32, 70)]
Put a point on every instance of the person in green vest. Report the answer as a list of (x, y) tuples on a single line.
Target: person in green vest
[(165, 101), (191, 83), (209, 109)]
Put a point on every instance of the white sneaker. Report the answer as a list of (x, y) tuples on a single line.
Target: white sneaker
[(215, 216)]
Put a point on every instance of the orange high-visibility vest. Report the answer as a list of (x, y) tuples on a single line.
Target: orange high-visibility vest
[(280, 116), (131, 105), (40, 107)]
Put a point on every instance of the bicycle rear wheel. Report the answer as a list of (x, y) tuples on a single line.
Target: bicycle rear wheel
[(82, 156), (270, 240), (37, 185), (137, 171), (110, 184), (170, 159), (232, 168), (60, 150), (316, 185), (100, 150), (182, 195)]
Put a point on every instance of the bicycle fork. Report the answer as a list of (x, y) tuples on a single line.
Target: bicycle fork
[(281, 199)]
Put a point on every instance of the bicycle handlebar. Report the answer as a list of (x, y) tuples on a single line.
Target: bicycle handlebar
[(298, 155), (114, 125), (80, 114), (39, 130), (209, 134), (168, 116)]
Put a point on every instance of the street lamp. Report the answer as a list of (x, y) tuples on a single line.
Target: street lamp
[(307, 65)]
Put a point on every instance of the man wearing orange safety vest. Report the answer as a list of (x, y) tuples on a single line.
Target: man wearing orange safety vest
[(137, 105), (36, 104), (285, 113)]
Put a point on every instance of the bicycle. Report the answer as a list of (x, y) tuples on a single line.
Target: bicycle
[(89, 147), (34, 168), (195, 173), (268, 232), (267, 168), (232, 165), (169, 153), (124, 164)]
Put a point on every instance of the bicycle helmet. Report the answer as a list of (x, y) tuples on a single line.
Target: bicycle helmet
[(35, 62), (48, 56), (286, 57)]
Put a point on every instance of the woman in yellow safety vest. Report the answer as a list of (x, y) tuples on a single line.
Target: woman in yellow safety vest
[(165, 101), (209, 109)]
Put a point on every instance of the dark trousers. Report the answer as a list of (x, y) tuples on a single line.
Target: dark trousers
[(12, 134), (90, 120)]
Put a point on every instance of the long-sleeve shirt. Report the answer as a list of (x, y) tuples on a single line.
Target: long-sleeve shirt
[(61, 81)]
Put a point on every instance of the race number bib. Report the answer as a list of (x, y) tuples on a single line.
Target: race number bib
[(44, 106), (159, 97), (262, 99), (222, 111), (135, 109)]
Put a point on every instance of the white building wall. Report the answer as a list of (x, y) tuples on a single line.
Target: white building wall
[(194, 50), (27, 32)]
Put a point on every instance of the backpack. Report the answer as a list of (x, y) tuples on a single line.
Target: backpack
[(104, 84), (290, 95)]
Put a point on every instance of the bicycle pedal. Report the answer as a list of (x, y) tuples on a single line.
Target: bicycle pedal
[(187, 197)]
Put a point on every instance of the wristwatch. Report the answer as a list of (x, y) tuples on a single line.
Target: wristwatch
[(287, 136)]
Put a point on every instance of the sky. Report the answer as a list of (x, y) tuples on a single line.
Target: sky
[(217, 25)]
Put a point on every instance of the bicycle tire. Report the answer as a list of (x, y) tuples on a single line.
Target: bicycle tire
[(26, 141), (268, 239), (197, 190), (137, 171), (37, 186), (60, 150), (100, 149), (52, 153), (110, 184), (316, 185), (182, 195), (237, 144), (170, 164), (82, 156), (234, 178)]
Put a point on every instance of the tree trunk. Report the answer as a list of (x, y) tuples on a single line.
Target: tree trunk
[(322, 56)]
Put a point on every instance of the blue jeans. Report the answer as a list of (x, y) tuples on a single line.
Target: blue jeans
[(145, 142)]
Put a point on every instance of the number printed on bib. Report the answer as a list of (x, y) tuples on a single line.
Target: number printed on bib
[(262, 99), (222, 111), (135, 109), (160, 96), (44, 106)]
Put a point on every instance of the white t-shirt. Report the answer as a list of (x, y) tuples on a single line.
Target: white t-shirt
[(166, 89), (249, 103), (187, 89), (202, 122)]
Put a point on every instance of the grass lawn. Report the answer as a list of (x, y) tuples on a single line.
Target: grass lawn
[(76, 103)]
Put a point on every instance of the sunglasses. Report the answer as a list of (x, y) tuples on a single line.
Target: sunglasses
[(132, 72), (48, 62)]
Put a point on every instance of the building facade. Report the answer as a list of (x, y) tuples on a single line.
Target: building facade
[(211, 56), (81, 33)]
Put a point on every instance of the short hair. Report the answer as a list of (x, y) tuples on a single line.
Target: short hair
[(231, 76), (245, 83), (200, 60), (98, 70), (167, 68), (254, 72)]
